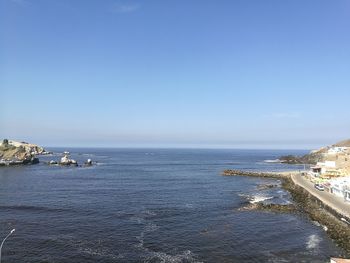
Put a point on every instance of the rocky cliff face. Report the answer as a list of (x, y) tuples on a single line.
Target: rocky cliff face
[(13, 152), (29, 147)]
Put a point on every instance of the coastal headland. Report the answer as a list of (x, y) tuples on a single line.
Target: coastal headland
[(19, 153), (335, 222), (14, 153)]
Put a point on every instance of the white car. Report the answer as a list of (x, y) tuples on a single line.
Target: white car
[(319, 187)]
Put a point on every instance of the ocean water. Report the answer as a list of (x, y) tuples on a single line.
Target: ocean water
[(153, 205)]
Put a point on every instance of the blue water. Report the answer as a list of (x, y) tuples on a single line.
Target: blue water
[(139, 205)]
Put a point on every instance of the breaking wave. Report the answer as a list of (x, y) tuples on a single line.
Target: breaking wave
[(259, 198), (313, 242)]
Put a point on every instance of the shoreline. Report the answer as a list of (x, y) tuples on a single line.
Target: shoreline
[(307, 203)]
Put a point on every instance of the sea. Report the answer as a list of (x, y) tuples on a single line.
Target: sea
[(154, 205)]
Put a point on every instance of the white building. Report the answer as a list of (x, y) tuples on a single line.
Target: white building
[(341, 187), (337, 150), (326, 166)]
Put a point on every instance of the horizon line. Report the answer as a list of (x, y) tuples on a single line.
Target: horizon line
[(175, 147)]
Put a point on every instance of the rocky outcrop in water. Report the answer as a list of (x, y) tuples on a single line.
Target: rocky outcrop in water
[(65, 160), (19, 153)]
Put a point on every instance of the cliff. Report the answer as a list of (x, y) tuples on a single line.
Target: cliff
[(13, 152)]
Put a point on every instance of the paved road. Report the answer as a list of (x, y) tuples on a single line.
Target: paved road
[(335, 202)]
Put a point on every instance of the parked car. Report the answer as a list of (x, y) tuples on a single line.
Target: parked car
[(319, 187)]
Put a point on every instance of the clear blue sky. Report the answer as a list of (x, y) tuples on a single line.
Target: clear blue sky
[(235, 73)]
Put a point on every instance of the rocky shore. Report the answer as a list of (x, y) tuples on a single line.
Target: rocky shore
[(19, 153), (304, 203), (317, 211), (22, 153), (270, 207), (313, 157), (310, 158)]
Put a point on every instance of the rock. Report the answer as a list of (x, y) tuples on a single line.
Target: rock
[(28, 160), (324, 215), (46, 153), (266, 186), (66, 161), (88, 162), (53, 162), (34, 160), (17, 153), (311, 158), (276, 208)]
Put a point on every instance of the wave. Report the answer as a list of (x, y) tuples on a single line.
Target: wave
[(258, 199), (185, 256), (313, 242), (253, 199), (153, 256), (272, 161), (94, 249)]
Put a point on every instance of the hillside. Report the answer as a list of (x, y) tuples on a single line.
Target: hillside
[(345, 143), (314, 156)]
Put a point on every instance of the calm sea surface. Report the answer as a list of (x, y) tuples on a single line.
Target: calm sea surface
[(139, 205)]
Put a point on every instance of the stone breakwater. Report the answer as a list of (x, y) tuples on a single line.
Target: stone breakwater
[(276, 208), (277, 175), (305, 203)]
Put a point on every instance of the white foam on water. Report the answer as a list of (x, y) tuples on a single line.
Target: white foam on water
[(150, 227), (259, 198), (149, 213), (151, 256), (95, 249), (313, 242), (325, 228), (189, 205), (138, 219), (185, 256), (272, 161)]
